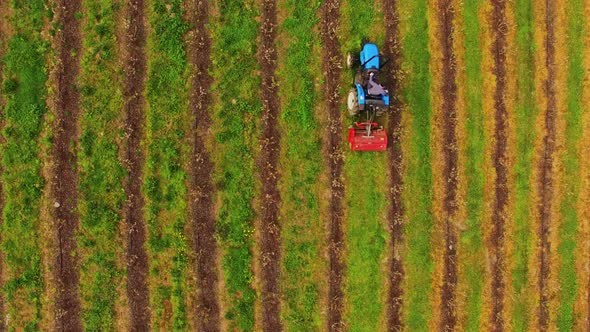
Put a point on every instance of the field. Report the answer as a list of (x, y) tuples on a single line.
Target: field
[(183, 165)]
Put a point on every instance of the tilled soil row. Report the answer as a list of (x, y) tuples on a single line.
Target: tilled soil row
[(64, 181), (3, 38), (545, 184), (135, 73), (201, 189), (395, 213), (500, 157), (585, 171), (448, 312), (331, 64), (269, 228)]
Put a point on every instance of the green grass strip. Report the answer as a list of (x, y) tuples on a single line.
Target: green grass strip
[(237, 84), (365, 182), (164, 186), (302, 159), (25, 92), (573, 133), (471, 239), (418, 261), (525, 113), (365, 240), (101, 173)]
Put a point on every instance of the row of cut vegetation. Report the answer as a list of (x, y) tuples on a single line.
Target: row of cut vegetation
[(472, 264), (165, 177), (238, 109), (24, 91), (303, 231), (100, 170), (418, 179), (525, 113), (571, 173), (365, 177)]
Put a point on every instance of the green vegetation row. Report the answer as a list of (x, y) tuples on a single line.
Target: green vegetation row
[(471, 240), (302, 230), (24, 90), (573, 132), (525, 113), (100, 170), (165, 178), (417, 195), (238, 109), (365, 182)]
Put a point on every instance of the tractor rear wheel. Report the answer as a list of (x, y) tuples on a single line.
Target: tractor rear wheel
[(353, 102)]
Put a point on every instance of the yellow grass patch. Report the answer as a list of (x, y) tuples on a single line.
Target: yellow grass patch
[(461, 133), (510, 101), (438, 184), (489, 86), (122, 303)]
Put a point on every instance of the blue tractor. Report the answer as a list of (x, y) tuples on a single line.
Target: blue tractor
[(367, 100)]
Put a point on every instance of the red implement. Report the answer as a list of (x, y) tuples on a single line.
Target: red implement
[(367, 136)]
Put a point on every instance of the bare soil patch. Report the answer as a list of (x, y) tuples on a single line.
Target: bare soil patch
[(500, 158), (201, 190), (392, 78), (64, 181), (448, 312), (269, 231), (331, 64), (545, 184), (135, 73)]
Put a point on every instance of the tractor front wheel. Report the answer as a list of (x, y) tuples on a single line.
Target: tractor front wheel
[(353, 102), (351, 60)]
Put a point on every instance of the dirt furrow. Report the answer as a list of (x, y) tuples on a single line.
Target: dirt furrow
[(201, 194), (3, 39), (584, 201), (63, 185), (395, 214), (269, 228), (331, 64), (135, 72), (545, 184), (448, 312), (500, 158)]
